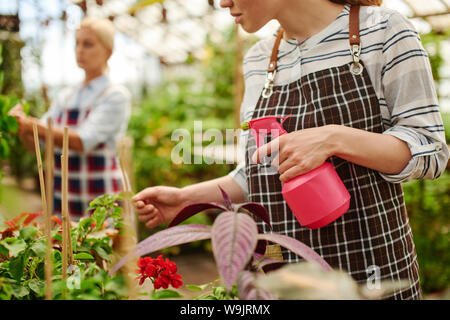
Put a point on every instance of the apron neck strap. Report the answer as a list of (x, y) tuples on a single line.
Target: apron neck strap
[(355, 46), (354, 36), (354, 25), (274, 56)]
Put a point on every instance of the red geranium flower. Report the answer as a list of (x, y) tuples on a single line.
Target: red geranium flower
[(161, 272), (56, 220)]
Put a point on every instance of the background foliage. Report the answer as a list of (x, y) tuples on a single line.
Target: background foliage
[(204, 92)]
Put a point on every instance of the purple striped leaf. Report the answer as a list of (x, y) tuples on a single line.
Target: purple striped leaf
[(256, 209), (297, 247), (165, 239), (261, 212), (234, 238), (248, 291), (226, 198), (193, 209)]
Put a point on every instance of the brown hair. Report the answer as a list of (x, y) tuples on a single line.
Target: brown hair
[(360, 2)]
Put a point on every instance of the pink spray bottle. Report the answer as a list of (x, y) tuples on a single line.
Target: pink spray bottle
[(316, 198)]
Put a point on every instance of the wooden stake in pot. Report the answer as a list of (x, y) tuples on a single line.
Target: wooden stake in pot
[(64, 217), (49, 165), (66, 241), (128, 240), (66, 163), (47, 270)]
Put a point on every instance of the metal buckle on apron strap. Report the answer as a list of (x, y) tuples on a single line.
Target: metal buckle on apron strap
[(268, 86), (272, 69), (356, 68)]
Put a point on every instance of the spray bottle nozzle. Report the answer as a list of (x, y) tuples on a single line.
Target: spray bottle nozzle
[(264, 126)]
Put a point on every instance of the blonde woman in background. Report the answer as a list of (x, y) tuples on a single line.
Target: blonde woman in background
[(96, 112)]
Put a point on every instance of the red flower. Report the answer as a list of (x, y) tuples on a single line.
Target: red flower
[(56, 220), (161, 272)]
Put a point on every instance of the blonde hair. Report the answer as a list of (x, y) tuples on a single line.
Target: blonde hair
[(103, 28)]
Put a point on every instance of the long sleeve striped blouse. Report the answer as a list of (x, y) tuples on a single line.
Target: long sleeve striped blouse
[(400, 72)]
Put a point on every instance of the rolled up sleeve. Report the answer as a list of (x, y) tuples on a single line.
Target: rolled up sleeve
[(238, 175), (411, 97)]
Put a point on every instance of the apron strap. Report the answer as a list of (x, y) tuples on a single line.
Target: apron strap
[(355, 41), (272, 69), (274, 56), (354, 25), (355, 49)]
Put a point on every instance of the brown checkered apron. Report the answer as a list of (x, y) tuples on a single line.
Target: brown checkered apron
[(374, 234)]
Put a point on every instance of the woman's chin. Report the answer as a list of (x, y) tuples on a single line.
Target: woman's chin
[(250, 28), (81, 65)]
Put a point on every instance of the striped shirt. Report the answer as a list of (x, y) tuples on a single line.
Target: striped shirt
[(398, 67)]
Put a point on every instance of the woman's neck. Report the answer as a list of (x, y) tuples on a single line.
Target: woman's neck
[(302, 19), (90, 75)]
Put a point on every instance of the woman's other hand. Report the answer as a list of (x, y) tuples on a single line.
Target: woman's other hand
[(25, 123), (17, 111)]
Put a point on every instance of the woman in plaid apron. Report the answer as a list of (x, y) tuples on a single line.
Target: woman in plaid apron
[(375, 230), (90, 174), (96, 113), (350, 107)]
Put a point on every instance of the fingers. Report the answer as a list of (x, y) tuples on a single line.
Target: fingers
[(290, 173), (139, 204), (266, 149), (16, 108), (17, 111), (146, 194), (145, 209), (153, 222), (150, 220)]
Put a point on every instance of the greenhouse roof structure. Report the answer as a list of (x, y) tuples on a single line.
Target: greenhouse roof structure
[(171, 29)]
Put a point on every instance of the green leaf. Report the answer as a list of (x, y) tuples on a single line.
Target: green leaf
[(117, 285), (83, 256), (19, 291), (14, 246), (74, 237), (102, 253), (56, 256), (194, 287), (57, 237), (40, 270), (3, 250), (27, 233), (37, 286), (7, 290), (165, 294), (99, 216), (12, 124), (4, 149), (39, 248), (33, 264), (85, 223), (16, 266)]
